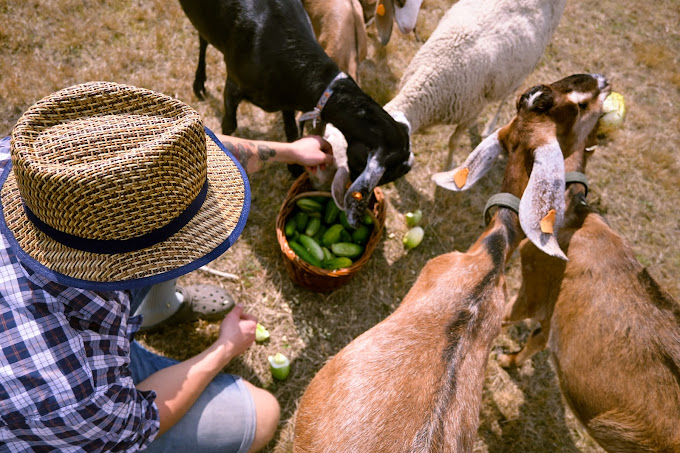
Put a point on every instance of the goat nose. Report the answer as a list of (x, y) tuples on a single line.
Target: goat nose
[(602, 81)]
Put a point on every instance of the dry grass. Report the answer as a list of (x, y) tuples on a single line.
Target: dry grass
[(49, 44)]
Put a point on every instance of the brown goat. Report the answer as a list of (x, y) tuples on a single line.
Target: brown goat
[(413, 383), (340, 29), (613, 333)]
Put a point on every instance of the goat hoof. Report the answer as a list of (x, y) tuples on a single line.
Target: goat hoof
[(200, 92), (506, 360)]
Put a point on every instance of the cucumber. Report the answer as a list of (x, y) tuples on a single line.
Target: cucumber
[(332, 235), (331, 212), (319, 234), (304, 254), (290, 227), (413, 237), (313, 226), (361, 234), (340, 262), (301, 219), (312, 246), (309, 205), (345, 236), (327, 255), (347, 249)]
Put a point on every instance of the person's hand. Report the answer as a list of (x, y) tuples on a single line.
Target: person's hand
[(237, 331), (312, 151)]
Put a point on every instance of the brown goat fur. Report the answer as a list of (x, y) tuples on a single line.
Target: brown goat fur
[(413, 382), (402, 376), (340, 29), (613, 333)]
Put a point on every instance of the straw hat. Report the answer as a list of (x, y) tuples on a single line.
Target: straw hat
[(114, 187)]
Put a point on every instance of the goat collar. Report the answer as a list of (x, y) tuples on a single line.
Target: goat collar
[(315, 114), (504, 199), (576, 176), (508, 200)]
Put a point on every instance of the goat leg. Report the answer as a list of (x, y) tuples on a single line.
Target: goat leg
[(290, 125), (537, 342), (232, 98), (199, 80)]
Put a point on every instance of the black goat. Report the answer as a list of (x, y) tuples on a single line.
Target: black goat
[(275, 62)]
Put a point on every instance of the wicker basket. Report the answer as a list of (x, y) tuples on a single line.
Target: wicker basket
[(312, 277)]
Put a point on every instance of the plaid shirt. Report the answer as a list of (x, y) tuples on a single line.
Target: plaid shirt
[(64, 381)]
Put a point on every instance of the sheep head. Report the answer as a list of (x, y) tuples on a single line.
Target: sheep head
[(552, 122)]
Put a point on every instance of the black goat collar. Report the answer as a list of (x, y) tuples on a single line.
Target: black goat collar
[(576, 176), (315, 114), (507, 200)]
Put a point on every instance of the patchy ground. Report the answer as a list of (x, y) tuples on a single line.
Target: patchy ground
[(50, 44)]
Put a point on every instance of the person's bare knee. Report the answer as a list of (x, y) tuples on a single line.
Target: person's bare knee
[(268, 413)]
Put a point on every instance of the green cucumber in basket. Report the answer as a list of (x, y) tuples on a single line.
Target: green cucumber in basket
[(332, 235), (301, 219), (312, 246), (341, 262), (304, 254), (331, 212), (313, 226), (309, 205), (347, 249), (361, 234), (290, 227)]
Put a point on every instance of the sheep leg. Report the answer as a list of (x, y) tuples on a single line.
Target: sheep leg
[(232, 98), (537, 342), (453, 141), (490, 127), (200, 78)]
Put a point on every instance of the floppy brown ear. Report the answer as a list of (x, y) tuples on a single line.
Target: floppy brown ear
[(541, 209), (475, 166), (384, 19)]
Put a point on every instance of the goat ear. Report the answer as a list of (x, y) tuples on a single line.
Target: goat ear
[(339, 186), (384, 19), (475, 166), (407, 15), (541, 209)]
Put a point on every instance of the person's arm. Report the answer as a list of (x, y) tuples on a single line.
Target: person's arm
[(310, 151), (177, 387)]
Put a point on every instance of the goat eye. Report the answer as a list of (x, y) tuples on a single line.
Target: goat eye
[(582, 105)]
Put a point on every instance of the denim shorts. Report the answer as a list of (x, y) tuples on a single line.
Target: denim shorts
[(222, 419)]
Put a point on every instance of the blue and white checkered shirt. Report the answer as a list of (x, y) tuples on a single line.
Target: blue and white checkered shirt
[(64, 379)]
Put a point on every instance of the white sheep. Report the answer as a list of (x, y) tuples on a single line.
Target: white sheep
[(480, 52)]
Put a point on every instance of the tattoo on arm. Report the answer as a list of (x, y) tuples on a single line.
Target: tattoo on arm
[(239, 151), (264, 152)]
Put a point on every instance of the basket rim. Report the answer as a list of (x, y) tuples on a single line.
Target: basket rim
[(373, 240)]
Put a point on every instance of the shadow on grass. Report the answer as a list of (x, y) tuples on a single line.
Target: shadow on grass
[(540, 423)]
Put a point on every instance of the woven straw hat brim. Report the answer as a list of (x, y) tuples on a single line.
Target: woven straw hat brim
[(215, 227)]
